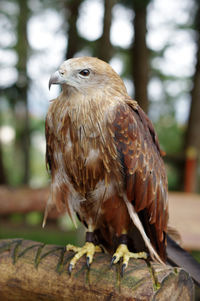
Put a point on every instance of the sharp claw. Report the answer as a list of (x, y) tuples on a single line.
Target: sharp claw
[(88, 262), (112, 260), (123, 269), (70, 267)]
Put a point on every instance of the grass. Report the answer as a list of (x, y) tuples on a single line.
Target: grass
[(196, 255), (49, 235)]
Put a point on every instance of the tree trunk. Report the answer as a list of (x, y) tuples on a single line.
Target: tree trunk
[(35, 271), (192, 134), (22, 122), (140, 57), (194, 120), (104, 47), (71, 12)]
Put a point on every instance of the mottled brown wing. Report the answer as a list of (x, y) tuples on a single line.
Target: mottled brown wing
[(59, 191), (144, 171)]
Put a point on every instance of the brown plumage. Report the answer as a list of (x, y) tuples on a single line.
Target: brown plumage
[(105, 161)]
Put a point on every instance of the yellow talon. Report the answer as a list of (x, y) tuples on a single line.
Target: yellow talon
[(123, 252), (89, 249)]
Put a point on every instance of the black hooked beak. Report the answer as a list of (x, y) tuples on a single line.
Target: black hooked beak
[(56, 79)]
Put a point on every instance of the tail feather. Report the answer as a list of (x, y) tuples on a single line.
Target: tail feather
[(177, 256)]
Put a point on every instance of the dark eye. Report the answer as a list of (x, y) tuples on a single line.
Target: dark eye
[(84, 72)]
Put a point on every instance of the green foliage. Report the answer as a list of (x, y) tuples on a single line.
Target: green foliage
[(173, 177), (171, 139), (196, 255), (29, 226), (16, 218), (12, 164), (12, 155), (48, 236), (170, 133), (39, 175), (33, 218)]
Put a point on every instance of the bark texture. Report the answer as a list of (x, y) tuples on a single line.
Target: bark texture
[(71, 9), (192, 146), (192, 135), (34, 271), (140, 56), (22, 85), (104, 49)]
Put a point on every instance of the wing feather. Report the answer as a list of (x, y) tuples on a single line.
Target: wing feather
[(144, 171), (59, 188)]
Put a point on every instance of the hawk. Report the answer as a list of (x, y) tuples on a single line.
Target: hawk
[(106, 164)]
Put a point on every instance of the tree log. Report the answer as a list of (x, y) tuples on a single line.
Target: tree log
[(33, 271), (24, 200)]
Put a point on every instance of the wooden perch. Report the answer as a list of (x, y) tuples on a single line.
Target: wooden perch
[(33, 271), (24, 200)]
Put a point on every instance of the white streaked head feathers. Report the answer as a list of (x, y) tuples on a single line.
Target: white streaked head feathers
[(87, 73)]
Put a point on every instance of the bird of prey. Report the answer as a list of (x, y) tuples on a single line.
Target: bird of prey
[(106, 164)]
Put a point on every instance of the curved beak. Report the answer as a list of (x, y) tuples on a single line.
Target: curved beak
[(56, 78)]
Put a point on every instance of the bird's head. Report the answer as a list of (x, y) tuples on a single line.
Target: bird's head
[(87, 73)]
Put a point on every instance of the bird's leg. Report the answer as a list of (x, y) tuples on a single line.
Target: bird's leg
[(89, 249), (123, 252)]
